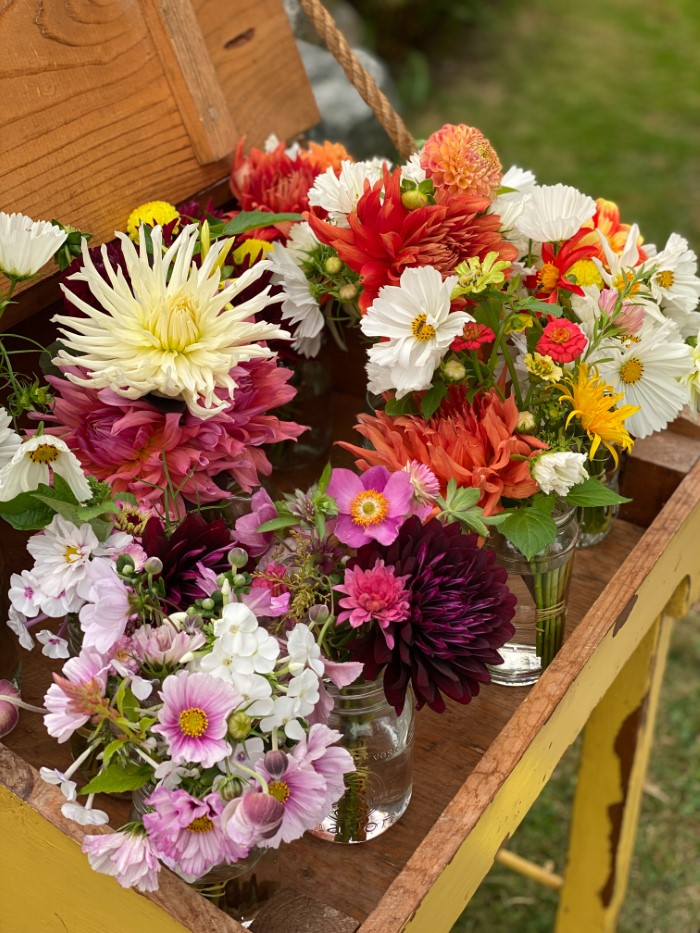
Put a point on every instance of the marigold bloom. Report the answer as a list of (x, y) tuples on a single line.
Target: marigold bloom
[(154, 214), (473, 443), (460, 160), (593, 403)]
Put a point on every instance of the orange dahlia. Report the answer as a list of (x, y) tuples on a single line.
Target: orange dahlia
[(384, 237), (475, 444), (460, 160), (607, 220), (325, 155)]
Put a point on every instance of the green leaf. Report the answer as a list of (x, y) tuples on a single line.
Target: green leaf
[(431, 400), (111, 749), (543, 502), (529, 529), (275, 524), (592, 492), (400, 406), (251, 220), (118, 777), (325, 478)]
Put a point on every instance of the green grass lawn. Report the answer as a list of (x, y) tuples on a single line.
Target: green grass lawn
[(603, 95)]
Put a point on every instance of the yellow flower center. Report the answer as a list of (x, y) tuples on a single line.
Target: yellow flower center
[(421, 330), (665, 278), (632, 371), (369, 507), (176, 327), (585, 272), (193, 721), (279, 790), (44, 453), (622, 282), (71, 553), (202, 824), (548, 276)]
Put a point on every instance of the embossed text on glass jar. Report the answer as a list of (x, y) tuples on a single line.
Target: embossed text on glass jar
[(381, 744)]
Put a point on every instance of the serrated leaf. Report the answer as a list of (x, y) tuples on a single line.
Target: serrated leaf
[(530, 530), (592, 492), (431, 400), (118, 777), (400, 406), (251, 220), (543, 503)]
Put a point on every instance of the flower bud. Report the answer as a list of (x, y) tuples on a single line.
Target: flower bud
[(153, 566), (413, 199), (239, 726), (240, 579), (237, 557), (276, 764), (208, 604), (454, 371), (333, 265), (347, 292), (9, 714), (318, 614), (526, 423), (231, 788), (125, 564)]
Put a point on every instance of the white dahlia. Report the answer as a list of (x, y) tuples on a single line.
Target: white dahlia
[(26, 244), (170, 330)]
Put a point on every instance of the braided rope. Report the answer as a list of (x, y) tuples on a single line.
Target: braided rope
[(359, 77)]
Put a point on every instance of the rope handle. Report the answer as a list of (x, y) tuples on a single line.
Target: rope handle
[(359, 77)]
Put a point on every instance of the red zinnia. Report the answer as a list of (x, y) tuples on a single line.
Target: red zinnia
[(563, 340), (384, 237), (473, 336)]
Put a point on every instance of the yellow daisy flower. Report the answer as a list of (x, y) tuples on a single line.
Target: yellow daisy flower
[(594, 403)]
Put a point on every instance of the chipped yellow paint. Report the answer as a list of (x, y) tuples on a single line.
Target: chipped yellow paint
[(47, 885), (614, 757)]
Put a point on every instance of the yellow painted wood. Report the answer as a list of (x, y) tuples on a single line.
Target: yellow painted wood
[(528, 869), (461, 877), (614, 758)]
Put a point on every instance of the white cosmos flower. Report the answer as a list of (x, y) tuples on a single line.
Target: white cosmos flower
[(415, 317), (650, 370), (62, 554), (509, 206), (9, 439), (553, 213), (559, 470), (692, 380), (339, 194), (169, 330), (32, 464), (26, 244), (299, 307), (413, 170), (674, 283)]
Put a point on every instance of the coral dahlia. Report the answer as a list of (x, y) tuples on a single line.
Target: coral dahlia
[(460, 160)]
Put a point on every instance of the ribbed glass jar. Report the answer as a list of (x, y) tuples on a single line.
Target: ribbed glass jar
[(541, 586), (596, 521), (381, 744)]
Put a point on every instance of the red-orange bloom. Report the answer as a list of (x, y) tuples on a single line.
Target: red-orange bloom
[(607, 220), (384, 237), (474, 444), (551, 276)]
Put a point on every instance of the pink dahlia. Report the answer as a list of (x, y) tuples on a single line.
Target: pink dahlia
[(186, 833), (460, 160), (193, 717), (76, 695), (143, 446), (127, 856), (372, 506), (376, 593)]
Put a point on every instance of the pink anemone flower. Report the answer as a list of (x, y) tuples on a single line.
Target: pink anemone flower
[(372, 506)]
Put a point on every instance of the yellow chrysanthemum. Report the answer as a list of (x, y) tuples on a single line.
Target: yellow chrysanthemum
[(593, 403), (155, 214)]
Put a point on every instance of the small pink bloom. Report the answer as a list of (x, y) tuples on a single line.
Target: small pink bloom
[(127, 856), (372, 506), (246, 527), (104, 617), (374, 594), (252, 817), (193, 717), (72, 699), (163, 645), (563, 340), (319, 750), (302, 791)]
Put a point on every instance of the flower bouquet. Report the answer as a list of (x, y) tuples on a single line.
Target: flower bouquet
[(394, 585)]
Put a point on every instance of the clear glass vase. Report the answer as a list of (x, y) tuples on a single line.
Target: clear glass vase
[(596, 521), (381, 744), (541, 586), (311, 406)]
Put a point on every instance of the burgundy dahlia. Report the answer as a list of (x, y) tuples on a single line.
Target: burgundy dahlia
[(195, 544), (460, 615)]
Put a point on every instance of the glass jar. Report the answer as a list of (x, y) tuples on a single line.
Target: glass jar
[(311, 406), (541, 586), (596, 521), (381, 744)]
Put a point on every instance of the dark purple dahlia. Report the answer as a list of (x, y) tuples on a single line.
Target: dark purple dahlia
[(461, 611), (194, 544)]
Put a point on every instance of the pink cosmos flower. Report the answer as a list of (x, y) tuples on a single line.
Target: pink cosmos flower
[(105, 615), (253, 817), (193, 717), (372, 506), (630, 318), (376, 594), (127, 856), (319, 750), (302, 791), (135, 445), (164, 645), (72, 699), (186, 832)]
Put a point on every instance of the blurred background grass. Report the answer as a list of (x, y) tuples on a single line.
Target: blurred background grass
[(603, 95)]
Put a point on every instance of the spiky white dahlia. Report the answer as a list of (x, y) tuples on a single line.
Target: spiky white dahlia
[(170, 329)]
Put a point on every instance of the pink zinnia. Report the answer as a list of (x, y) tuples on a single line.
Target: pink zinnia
[(302, 791), (562, 340), (127, 856), (75, 697), (376, 594), (372, 506), (193, 717), (186, 832)]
